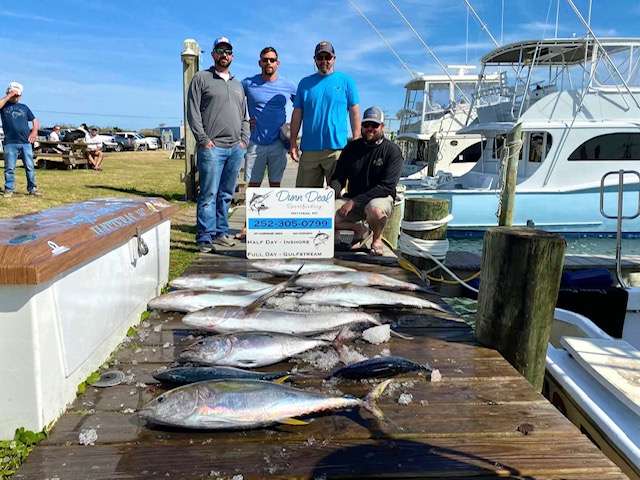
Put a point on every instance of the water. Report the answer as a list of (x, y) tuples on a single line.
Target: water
[(575, 245)]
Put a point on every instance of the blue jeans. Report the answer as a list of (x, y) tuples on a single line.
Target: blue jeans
[(218, 169), (11, 158)]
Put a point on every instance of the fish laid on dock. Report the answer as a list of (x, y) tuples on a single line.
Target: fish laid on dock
[(186, 375), (244, 404), (349, 296), (250, 349), (222, 282), (378, 367), (235, 319), (357, 279), (289, 267)]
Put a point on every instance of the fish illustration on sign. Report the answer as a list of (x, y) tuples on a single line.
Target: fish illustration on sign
[(320, 239), (257, 202)]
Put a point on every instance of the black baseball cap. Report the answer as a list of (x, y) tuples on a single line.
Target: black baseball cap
[(324, 47)]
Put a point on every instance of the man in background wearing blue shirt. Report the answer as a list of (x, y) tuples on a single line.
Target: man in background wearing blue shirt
[(323, 102), (267, 94), (18, 138)]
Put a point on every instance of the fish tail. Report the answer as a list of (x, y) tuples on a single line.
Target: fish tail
[(338, 344), (372, 396), (400, 335), (272, 292)]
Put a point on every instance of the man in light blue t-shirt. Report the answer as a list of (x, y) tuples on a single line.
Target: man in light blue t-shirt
[(324, 105), (267, 95)]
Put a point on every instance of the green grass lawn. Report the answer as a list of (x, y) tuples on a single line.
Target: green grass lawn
[(125, 174)]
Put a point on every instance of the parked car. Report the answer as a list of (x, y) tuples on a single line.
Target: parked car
[(140, 142), (123, 143), (43, 134), (109, 143)]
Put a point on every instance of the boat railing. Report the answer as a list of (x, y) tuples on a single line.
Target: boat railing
[(620, 216)]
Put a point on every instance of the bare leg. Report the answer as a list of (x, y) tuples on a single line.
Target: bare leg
[(376, 219)]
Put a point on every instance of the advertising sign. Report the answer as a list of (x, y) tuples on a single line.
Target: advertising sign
[(290, 222)]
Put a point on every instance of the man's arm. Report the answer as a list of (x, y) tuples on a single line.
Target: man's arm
[(354, 117), (33, 136), (245, 130), (7, 97), (195, 117), (296, 122)]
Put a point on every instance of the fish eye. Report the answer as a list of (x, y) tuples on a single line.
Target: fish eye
[(200, 342), (160, 399)]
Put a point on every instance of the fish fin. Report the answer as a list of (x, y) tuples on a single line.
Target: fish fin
[(293, 421), (272, 292), (282, 379), (400, 335)]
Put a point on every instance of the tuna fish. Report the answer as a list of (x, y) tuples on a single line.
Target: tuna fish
[(235, 319), (244, 404), (192, 300), (348, 296), (378, 367), (223, 282), (288, 267), (357, 279), (251, 349), (185, 375)]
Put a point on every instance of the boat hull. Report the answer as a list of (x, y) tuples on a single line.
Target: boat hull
[(569, 212)]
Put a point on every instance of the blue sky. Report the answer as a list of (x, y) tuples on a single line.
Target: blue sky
[(118, 63)]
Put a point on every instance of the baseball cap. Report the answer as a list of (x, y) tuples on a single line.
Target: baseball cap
[(15, 86), (373, 114), (221, 40), (94, 128), (324, 47)]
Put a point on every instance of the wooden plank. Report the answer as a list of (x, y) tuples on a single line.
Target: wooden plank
[(517, 457), (613, 363), (86, 229)]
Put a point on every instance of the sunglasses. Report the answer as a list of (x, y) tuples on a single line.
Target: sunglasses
[(321, 58), (220, 51), (370, 125), (268, 60)]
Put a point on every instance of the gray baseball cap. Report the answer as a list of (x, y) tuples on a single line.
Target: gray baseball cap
[(373, 114)]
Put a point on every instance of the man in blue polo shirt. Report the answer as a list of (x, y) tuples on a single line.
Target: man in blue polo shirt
[(18, 138), (323, 102), (267, 95)]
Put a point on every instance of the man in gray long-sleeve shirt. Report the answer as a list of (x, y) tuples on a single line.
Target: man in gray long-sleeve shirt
[(217, 113)]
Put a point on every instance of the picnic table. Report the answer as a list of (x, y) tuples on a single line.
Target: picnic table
[(61, 154)]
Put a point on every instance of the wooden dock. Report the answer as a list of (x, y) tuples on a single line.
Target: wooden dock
[(482, 420)]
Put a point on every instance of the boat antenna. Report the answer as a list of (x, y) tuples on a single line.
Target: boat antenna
[(557, 18), (383, 39), (462, 94)]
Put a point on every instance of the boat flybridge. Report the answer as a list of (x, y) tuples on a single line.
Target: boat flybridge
[(439, 105), (577, 101)]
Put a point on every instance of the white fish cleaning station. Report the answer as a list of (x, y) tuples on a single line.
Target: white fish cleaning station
[(73, 280)]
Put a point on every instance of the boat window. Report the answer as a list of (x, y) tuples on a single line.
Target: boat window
[(614, 146), (539, 145), (471, 154), (439, 95), (468, 88)]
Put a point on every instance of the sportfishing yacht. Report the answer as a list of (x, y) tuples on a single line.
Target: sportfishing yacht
[(435, 108), (577, 101)]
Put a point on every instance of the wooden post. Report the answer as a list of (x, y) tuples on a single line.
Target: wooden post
[(432, 155), (190, 57), (420, 210), (508, 196), (521, 271)]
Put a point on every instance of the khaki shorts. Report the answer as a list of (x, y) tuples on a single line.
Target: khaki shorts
[(357, 213), (315, 167)]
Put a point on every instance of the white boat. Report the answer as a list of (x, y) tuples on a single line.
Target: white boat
[(594, 380), (439, 105), (578, 103)]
